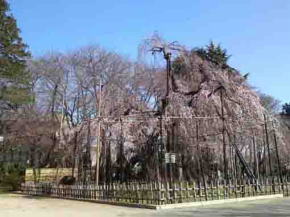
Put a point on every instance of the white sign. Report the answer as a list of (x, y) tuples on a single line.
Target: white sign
[(170, 158), (1, 139)]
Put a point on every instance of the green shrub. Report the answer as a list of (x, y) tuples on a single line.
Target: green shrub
[(11, 175)]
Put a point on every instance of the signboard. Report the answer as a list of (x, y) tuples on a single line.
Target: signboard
[(1, 139), (170, 158)]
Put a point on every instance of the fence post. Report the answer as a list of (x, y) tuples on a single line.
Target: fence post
[(205, 189), (225, 190), (211, 189), (181, 189), (169, 199), (286, 183), (194, 192)]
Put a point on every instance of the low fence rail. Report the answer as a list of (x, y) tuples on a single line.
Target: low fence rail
[(156, 193)]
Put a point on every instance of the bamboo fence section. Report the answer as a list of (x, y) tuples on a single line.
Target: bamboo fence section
[(158, 193)]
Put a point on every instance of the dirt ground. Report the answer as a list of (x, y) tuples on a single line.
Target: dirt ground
[(12, 205)]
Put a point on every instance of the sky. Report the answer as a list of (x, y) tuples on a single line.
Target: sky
[(255, 32)]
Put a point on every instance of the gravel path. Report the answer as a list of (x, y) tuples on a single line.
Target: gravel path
[(22, 206)]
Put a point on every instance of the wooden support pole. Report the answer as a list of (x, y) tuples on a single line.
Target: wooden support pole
[(97, 175), (265, 168), (199, 153), (157, 160), (163, 148), (269, 152), (121, 152), (256, 164), (278, 159), (224, 136), (74, 153)]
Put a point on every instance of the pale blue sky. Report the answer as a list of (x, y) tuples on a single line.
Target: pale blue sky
[(255, 32)]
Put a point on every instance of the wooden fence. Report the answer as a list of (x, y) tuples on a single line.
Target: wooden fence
[(157, 193)]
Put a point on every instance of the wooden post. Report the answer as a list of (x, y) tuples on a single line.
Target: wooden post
[(269, 153), (121, 152), (163, 147), (200, 158), (180, 192), (99, 136), (256, 164), (108, 162), (265, 167), (173, 150), (169, 150), (194, 192), (225, 185), (212, 189), (157, 160), (159, 189), (278, 159), (286, 183), (74, 153), (237, 171), (224, 136), (168, 194), (218, 190), (167, 57)]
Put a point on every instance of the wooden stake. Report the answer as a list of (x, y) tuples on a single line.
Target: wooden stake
[(256, 165), (99, 136), (278, 159), (224, 136), (269, 153)]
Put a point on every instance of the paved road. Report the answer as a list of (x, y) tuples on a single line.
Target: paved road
[(21, 206), (262, 208)]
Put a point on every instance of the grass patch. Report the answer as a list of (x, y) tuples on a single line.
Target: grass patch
[(4, 189)]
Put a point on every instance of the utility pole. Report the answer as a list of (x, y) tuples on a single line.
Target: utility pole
[(167, 56), (165, 49), (164, 103)]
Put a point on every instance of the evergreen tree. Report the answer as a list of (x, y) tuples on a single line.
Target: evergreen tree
[(14, 79), (286, 109), (214, 53)]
